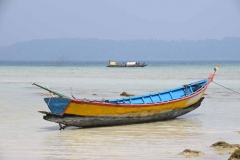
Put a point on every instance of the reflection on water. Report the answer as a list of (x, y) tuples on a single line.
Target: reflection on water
[(174, 127), (122, 141)]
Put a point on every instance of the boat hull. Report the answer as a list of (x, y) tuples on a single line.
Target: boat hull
[(97, 121), (105, 109)]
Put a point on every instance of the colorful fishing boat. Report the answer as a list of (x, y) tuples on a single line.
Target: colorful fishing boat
[(152, 107)]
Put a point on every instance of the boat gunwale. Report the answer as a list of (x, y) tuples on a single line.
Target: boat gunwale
[(103, 103), (137, 105)]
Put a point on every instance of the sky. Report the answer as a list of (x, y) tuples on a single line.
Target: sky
[(24, 20)]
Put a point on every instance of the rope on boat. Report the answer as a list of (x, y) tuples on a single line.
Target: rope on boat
[(226, 87)]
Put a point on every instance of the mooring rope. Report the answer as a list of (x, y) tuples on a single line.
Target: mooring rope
[(226, 87)]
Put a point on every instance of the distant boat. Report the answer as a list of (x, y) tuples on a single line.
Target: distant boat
[(127, 64), (152, 107)]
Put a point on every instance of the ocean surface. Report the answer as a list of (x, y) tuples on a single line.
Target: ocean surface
[(25, 135)]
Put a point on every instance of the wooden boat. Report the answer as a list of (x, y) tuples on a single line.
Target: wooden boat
[(156, 106), (127, 64)]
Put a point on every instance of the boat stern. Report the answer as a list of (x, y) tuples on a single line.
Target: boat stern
[(57, 105)]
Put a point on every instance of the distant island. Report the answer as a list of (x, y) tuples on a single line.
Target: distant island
[(78, 49)]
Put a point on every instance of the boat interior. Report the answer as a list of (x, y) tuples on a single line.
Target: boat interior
[(164, 96)]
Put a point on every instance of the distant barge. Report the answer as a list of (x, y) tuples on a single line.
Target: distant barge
[(127, 64)]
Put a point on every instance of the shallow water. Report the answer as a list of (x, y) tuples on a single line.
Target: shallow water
[(25, 135)]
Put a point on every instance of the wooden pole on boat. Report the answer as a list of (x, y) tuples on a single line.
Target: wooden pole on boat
[(53, 92)]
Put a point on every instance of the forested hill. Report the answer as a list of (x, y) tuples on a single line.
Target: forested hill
[(78, 49)]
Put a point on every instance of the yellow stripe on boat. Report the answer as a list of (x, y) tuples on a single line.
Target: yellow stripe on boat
[(82, 108)]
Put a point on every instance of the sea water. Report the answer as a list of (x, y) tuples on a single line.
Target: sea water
[(25, 135)]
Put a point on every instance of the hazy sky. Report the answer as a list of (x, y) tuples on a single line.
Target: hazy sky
[(23, 20)]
